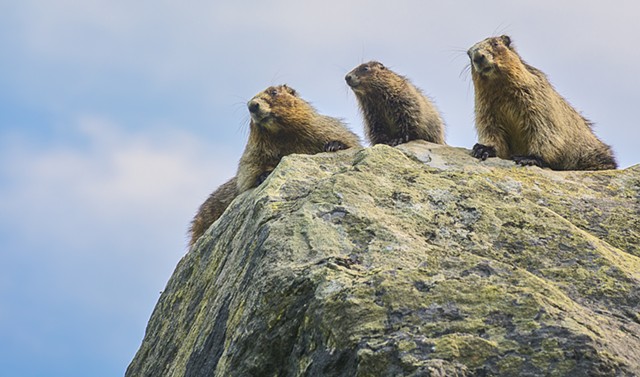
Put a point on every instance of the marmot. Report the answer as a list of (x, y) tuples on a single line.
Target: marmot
[(394, 110), (282, 123), (520, 116)]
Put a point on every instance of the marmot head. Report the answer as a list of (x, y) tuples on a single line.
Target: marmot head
[(368, 76), (277, 108), (492, 56)]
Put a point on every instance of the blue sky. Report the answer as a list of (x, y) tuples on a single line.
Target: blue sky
[(117, 118)]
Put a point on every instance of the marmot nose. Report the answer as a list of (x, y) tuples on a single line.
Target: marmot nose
[(349, 78), (479, 58), (254, 106)]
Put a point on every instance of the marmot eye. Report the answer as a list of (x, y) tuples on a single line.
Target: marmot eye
[(273, 92)]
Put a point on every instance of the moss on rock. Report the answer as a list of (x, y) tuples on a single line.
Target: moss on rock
[(410, 261)]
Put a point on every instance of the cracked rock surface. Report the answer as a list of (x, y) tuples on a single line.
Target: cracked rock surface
[(417, 260)]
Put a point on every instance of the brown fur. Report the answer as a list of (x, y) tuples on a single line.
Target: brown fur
[(213, 208), (394, 110), (282, 123), (520, 116)]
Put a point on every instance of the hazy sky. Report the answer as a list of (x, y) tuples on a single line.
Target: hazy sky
[(117, 118)]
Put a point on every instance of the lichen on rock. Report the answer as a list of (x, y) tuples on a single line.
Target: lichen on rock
[(410, 261)]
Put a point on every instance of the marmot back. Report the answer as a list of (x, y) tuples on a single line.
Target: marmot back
[(212, 209), (520, 116), (394, 110)]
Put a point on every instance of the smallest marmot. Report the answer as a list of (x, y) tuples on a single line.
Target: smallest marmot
[(394, 110)]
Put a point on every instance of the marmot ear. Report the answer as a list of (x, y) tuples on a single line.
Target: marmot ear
[(506, 40), (290, 90)]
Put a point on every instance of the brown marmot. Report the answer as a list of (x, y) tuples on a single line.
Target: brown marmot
[(282, 123), (394, 110), (520, 116)]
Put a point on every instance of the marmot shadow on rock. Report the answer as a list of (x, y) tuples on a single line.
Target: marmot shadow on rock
[(282, 123), (520, 116), (394, 110)]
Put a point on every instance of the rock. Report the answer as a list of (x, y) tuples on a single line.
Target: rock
[(410, 261)]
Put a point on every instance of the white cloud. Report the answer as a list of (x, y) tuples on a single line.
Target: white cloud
[(115, 205), (91, 230), (112, 177)]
